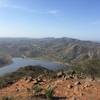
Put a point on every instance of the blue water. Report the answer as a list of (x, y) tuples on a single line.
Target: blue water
[(20, 62)]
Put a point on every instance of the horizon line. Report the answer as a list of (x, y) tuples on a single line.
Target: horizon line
[(20, 37)]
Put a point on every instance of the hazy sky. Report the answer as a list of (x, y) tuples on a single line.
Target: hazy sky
[(50, 18)]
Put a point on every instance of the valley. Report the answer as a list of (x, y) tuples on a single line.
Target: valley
[(49, 68)]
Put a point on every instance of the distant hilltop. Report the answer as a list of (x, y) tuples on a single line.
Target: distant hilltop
[(61, 49)]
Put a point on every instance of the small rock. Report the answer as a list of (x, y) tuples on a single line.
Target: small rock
[(73, 98), (17, 90), (76, 77), (35, 81), (29, 79), (90, 79), (77, 83), (39, 79), (44, 80), (70, 77), (65, 78), (81, 94), (25, 78), (87, 84), (60, 74), (70, 86)]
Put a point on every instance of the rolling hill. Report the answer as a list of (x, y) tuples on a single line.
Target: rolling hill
[(60, 49)]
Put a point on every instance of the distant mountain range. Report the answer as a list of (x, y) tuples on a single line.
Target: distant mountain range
[(61, 49)]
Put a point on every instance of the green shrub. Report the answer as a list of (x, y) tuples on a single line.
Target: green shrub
[(49, 93), (7, 98), (2, 83), (88, 67), (37, 89)]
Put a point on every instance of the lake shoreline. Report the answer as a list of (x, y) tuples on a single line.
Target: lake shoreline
[(6, 64), (22, 62)]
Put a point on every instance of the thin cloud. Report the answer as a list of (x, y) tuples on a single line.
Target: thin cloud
[(52, 12), (19, 7)]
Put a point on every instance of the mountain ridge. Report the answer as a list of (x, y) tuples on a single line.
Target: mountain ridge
[(62, 49)]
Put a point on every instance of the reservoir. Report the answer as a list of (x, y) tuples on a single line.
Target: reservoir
[(22, 62)]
